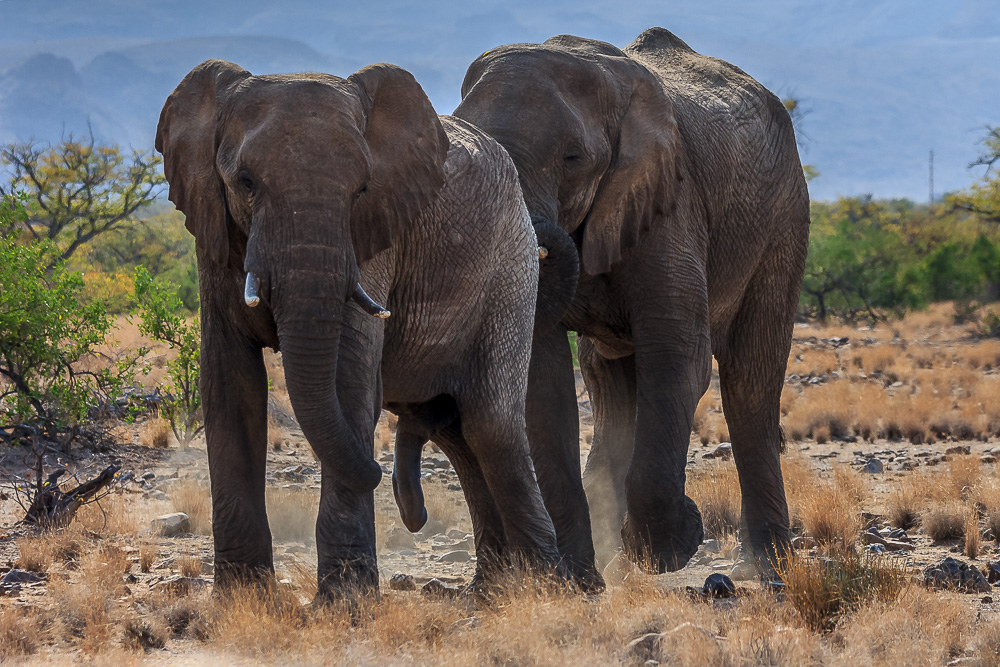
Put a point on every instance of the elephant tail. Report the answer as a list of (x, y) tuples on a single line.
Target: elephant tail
[(558, 273)]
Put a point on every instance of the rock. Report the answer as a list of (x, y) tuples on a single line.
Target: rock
[(987, 599), (993, 572), (399, 538), (169, 525), (876, 548), (457, 534), (959, 449), (156, 494), (457, 556), (402, 582), (712, 546), (723, 451), (21, 577), (874, 466), (804, 542), (871, 536), (894, 545), (438, 588), (955, 575), (718, 585), (148, 475), (645, 648)]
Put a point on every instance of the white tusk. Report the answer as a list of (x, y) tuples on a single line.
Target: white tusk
[(543, 252), (251, 292)]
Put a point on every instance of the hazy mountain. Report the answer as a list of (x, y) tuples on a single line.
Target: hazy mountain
[(885, 81)]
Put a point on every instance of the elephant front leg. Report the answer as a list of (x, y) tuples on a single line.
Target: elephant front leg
[(554, 436), (234, 395), (663, 527), (345, 541)]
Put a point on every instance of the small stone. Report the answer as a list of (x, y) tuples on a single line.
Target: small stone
[(712, 546), (723, 451), (402, 582), (719, 586), (804, 542), (169, 525), (457, 556), (438, 588), (21, 577), (645, 648), (874, 466), (871, 536), (959, 449), (876, 548), (894, 545), (987, 599), (955, 575), (148, 475), (993, 572)]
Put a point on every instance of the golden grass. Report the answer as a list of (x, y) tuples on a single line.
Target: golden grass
[(19, 633), (147, 555), (828, 509), (292, 513), (944, 520), (987, 494), (156, 433), (904, 502), (194, 499), (971, 535), (189, 566), (716, 490), (823, 590)]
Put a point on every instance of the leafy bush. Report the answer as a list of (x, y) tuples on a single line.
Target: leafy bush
[(162, 318), (50, 372)]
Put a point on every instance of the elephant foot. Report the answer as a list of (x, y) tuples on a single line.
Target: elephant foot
[(231, 576), (347, 579), (587, 578), (762, 549), (666, 543)]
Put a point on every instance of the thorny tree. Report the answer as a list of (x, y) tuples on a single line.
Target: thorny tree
[(78, 190)]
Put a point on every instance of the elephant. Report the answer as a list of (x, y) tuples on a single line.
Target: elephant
[(677, 177), (313, 200)]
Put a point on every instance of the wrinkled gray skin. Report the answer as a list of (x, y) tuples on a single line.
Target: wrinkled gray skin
[(677, 177), (312, 183)]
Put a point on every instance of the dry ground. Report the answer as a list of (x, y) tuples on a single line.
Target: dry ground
[(920, 395)]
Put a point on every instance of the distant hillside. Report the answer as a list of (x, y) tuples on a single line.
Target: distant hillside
[(885, 81)]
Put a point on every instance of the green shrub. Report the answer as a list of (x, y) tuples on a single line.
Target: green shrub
[(50, 372)]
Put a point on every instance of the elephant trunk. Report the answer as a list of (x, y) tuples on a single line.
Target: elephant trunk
[(309, 330), (558, 273)]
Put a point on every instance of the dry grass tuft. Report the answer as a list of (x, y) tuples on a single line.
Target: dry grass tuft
[(20, 633), (972, 535), (189, 566), (139, 635), (292, 513), (830, 509), (903, 503), (987, 495), (944, 520), (716, 490), (194, 499), (112, 515), (156, 433), (147, 554), (823, 590)]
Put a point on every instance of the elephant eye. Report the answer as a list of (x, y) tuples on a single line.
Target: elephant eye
[(246, 182), (361, 191)]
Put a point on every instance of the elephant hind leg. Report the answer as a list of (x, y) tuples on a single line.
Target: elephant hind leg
[(752, 363), (611, 386)]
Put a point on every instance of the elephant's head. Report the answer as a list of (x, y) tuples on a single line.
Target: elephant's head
[(592, 134), (296, 180)]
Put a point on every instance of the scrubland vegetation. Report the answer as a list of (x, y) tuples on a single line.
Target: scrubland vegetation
[(891, 411)]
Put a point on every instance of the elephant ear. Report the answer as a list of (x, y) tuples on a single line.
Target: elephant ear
[(408, 149), (639, 184), (185, 136)]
